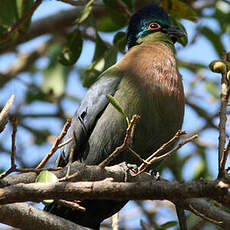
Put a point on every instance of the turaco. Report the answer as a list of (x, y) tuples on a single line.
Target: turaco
[(145, 81)]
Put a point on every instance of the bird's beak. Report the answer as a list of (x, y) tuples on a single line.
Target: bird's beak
[(176, 33)]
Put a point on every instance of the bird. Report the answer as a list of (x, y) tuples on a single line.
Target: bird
[(145, 81)]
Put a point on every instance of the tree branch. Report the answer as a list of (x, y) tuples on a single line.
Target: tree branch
[(55, 145), (154, 190), (27, 217), (225, 91), (81, 172), (143, 190), (4, 115)]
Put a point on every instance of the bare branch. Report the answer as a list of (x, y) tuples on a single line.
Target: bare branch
[(13, 151), (207, 211), (75, 3), (71, 204), (111, 190), (143, 190), (127, 141), (4, 115), (124, 8), (65, 143), (55, 145), (13, 146), (181, 217), (27, 217), (222, 153), (190, 139), (67, 176), (54, 24), (204, 216), (154, 157), (80, 172)]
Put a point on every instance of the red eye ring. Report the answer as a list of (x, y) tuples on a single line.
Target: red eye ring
[(154, 26)]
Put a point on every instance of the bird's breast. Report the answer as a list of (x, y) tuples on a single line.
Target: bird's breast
[(153, 87)]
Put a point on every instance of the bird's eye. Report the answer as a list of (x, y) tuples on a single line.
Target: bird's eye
[(154, 26)]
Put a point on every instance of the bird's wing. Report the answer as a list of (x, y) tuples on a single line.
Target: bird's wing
[(90, 109)]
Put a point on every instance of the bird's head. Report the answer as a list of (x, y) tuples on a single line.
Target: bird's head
[(152, 19)]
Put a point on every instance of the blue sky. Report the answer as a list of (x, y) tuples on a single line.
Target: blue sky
[(201, 51)]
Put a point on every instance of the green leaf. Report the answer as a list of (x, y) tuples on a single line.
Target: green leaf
[(223, 17), (53, 51), (23, 6), (42, 137), (175, 165), (54, 79), (119, 40), (199, 170), (117, 106), (72, 50), (85, 12), (212, 88), (8, 13), (54, 76), (115, 13), (8, 16), (114, 4), (169, 224), (179, 9), (107, 24), (46, 177), (100, 49), (13, 36), (214, 38), (33, 95), (98, 66), (144, 226)]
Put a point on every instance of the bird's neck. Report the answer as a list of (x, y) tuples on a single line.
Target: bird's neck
[(160, 37)]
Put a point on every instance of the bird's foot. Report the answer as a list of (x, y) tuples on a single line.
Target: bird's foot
[(128, 167)]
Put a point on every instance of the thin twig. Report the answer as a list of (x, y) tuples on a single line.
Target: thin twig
[(24, 170), (74, 3), (203, 216), (158, 158), (162, 148), (70, 161), (13, 151), (198, 225), (55, 145), (69, 177), (127, 142), (13, 146), (222, 154), (181, 217), (124, 8), (71, 204), (23, 19), (4, 115), (226, 151), (65, 143), (137, 156)]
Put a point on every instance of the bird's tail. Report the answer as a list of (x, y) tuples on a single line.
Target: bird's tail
[(96, 212)]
